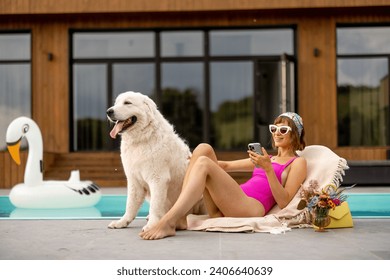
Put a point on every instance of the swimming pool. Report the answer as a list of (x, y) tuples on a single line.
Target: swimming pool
[(362, 205), (369, 205), (109, 207)]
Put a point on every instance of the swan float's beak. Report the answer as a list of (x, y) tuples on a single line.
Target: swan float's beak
[(13, 149)]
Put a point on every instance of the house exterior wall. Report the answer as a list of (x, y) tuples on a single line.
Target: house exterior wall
[(50, 21)]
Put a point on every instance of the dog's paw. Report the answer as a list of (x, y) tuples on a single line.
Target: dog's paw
[(118, 224), (151, 220), (146, 227)]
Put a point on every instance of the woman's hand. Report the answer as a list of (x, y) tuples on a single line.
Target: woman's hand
[(262, 161)]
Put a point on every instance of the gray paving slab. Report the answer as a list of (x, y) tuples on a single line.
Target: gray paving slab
[(92, 240)]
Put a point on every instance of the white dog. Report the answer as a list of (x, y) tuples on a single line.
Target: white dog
[(154, 157)]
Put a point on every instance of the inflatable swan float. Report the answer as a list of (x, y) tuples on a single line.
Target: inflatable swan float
[(36, 193)]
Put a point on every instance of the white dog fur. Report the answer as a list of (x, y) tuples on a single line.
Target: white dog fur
[(154, 157)]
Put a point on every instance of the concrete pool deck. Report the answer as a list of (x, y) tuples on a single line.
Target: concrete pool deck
[(92, 240)]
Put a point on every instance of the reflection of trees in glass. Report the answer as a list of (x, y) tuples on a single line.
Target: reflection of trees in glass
[(92, 134), (181, 109), (363, 116), (233, 124)]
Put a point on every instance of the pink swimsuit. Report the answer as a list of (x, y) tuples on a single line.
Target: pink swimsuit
[(258, 187)]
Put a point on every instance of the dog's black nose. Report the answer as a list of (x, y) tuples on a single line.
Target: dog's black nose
[(109, 112)]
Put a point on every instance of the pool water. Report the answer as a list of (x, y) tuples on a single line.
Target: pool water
[(109, 207), (369, 205), (362, 205)]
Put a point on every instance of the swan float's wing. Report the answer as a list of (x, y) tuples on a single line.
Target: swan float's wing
[(85, 189), (81, 187)]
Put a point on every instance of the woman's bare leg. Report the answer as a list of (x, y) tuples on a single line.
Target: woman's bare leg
[(212, 209), (207, 151), (201, 150), (223, 190)]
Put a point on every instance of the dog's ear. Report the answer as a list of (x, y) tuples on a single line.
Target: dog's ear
[(150, 104)]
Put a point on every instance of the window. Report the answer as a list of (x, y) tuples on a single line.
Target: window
[(104, 65), (251, 42), (182, 85), (113, 45), (182, 43), (90, 105), (363, 86), (203, 81), (232, 104), (363, 40), (15, 79)]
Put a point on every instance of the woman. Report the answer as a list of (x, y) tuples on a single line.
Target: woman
[(275, 181)]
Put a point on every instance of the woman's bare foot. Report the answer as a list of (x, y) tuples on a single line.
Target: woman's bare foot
[(158, 231), (182, 224)]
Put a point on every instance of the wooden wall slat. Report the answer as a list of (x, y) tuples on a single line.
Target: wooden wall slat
[(11, 173), (51, 85), (136, 6), (3, 168), (316, 88)]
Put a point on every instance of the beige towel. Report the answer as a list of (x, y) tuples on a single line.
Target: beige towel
[(323, 165)]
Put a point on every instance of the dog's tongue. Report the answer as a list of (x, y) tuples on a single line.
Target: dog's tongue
[(116, 129)]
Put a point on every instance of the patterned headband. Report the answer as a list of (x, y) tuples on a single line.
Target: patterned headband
[(297, 120)]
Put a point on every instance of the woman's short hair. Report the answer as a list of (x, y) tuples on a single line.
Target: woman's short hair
[(297, 142)]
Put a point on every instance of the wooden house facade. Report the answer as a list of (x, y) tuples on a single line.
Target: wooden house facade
[(328, 60)]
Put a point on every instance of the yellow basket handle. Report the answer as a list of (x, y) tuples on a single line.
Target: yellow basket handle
[(330, 186)]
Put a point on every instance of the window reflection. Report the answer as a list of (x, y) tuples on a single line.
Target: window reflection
[(363, 102), (181, 43), (363, 86), (113, 44), (15, 46), (232, 104), (90, 105), (183, 97), (15, 80), (137, 77), (251, 42), (363, 40), (182, 78)]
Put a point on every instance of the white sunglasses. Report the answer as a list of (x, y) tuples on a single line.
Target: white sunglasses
[(284, 129)]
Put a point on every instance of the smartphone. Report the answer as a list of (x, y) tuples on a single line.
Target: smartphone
[(255, 147)]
